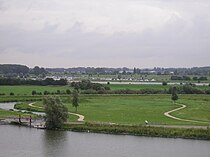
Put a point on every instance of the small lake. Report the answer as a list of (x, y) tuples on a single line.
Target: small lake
[(18, 141)]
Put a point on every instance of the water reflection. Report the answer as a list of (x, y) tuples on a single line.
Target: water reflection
[(54, 143)]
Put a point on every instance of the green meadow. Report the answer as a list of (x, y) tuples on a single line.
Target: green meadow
[(135, 109), (27, 89)]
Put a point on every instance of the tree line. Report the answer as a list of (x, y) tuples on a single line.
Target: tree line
[(45, 82), (187, 78), (20, 70), (88, 85), (181, 89)]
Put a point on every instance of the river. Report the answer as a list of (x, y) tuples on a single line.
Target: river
[(25, 142)]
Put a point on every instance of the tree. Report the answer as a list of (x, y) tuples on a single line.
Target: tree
[(75, 99), (56, 112), (33, 92), (68, 91), (174, 95)]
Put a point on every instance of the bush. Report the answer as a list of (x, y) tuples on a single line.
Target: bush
[(164, 83), (207, 91), (68, 91), (33, 92)]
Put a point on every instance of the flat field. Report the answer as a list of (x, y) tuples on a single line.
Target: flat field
[(27, 89), (135, 109)]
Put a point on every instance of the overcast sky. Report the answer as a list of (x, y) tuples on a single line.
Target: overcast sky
[(105, 33)]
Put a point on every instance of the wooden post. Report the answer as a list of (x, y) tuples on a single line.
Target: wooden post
[(19, 118), (30, 121)]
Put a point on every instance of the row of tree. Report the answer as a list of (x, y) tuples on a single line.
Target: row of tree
[(58, 92), (21, 70), (88, 85), (184, 89), (187, 78), (45, 82)]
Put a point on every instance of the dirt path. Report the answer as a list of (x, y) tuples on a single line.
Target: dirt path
[(80, 119), (167, 114)]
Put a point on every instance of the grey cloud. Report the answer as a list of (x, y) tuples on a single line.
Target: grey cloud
[(182, 41)]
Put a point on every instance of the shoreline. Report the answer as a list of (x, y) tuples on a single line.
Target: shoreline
[(133, 130), (143, 130)]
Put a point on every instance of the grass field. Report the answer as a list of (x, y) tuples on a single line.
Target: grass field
[(135, 109), (198, 107), (27, 90)]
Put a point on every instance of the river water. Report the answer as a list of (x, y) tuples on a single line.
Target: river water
[(25, 142)]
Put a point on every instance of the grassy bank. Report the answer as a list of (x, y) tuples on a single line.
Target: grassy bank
[(140, 130)]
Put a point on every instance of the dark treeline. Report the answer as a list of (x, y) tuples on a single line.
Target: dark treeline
[(88, 85), (47, 81), (125, 70), (7, 69), (187, 78), (20, 70), (181, 89), (13, 69)]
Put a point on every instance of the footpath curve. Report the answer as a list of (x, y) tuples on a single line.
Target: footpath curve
[(167, 114), (80, 119)]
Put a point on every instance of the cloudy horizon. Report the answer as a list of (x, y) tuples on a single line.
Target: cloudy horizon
[(96, 33)]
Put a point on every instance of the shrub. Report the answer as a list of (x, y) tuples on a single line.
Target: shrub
[(164, 83)]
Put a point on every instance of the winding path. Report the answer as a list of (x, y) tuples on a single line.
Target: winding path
[(167, 114), (80, 119)]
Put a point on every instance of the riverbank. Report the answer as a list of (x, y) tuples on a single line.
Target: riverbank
[(196, 133), (142, 130)]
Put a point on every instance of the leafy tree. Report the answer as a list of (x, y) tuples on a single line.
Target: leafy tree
[(75, 99), (68, 91), (33, 92), (174, 95), (56, 112)]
